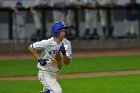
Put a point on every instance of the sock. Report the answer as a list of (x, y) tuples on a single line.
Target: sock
[(104, 30), (48, 91), (87, 31), (95, 31)]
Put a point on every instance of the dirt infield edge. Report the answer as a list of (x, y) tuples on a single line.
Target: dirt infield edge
[(79, 75)]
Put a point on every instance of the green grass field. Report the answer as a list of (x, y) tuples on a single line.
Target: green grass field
[(106, 84), (78, 65), (111, 84)]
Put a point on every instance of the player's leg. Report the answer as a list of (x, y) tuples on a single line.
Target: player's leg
[(133, 28), (93, 24), (127, 27), (87, 24), (44, 89), (103, 22), (22, 33), (50, 82), (47, 91), (58, 16), (18, 32), (69, 18), (111, 26), (37, 22), (69, 22), (15, 33), (36, 18)]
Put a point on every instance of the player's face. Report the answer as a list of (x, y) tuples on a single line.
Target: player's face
[(62, 34)]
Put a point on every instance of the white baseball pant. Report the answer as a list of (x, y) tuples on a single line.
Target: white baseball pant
[(58, 16), (37, 19), (19, 32), (103, 17), (130, 26), (91, 19), (70, 17), (49, 81)]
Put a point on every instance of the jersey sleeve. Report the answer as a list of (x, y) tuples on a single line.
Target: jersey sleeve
[(41, 45)]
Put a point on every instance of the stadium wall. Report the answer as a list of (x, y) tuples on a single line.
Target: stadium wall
[(80, 45)]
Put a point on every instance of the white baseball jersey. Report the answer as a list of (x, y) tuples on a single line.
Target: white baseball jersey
[(58, 2), (73, 1), (122, 2), (104, 2), (90, 1), (50, 48), (43, 2), (38, 2)]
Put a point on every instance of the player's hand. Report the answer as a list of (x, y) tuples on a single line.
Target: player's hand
[(42, 61), (62, 49)]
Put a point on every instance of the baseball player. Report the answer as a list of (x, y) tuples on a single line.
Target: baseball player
[(70, 13), (103, 17), (19, 19), (59, 15), (53, 51), (37, 15), (70, 17), (131, 18), (91, 19)]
